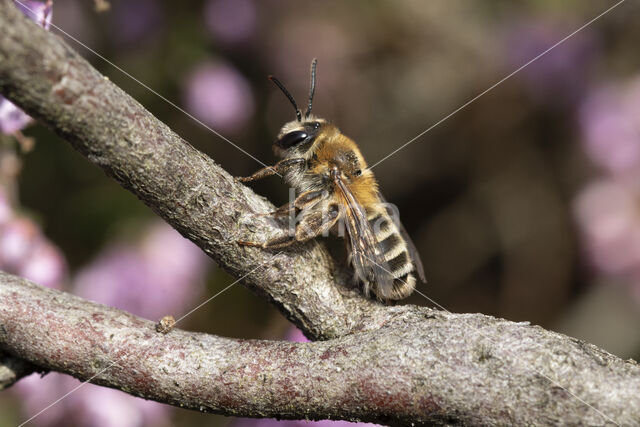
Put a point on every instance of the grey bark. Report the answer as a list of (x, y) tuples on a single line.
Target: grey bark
[(396, 365), (421, 367)]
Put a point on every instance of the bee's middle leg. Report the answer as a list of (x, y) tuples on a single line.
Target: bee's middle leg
[(311, 225)]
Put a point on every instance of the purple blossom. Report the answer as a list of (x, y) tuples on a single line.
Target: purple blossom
[(91, 405), (608, 213), (296, 335), (230, 21), (6, 211), (161, 275), (561, 75), (38, 11), (136, 22), (25, 251), (45, 265), (13, 119), (17, 239), (99, 406), (219, 96), (36, 393), (610, 123)]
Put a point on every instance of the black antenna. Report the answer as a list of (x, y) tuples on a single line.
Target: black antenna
[(312, 88), (286, 92)]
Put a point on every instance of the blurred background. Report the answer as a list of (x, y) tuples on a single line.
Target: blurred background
[(524, 205)]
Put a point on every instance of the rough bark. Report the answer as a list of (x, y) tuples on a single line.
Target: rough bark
[(387, 364), (422, 367)]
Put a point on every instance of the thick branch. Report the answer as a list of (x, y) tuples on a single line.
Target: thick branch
[(45, 77), (419, 368)]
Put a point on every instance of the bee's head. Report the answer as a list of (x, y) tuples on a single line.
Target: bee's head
[(298, 135), (295, 137)]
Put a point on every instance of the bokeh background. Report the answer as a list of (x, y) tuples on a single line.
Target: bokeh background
[(524, 205)]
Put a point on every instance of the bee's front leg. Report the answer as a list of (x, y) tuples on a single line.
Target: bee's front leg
[(311, 225), (279, 168)]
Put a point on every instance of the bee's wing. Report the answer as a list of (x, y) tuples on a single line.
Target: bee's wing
[(413, 252), (367, 257)]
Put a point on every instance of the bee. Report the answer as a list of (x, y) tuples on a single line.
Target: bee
[(334, 189)]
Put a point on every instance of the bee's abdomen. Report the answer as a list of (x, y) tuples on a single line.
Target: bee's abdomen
[(396, 253)]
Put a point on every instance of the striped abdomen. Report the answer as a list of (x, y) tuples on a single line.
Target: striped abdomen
[(396, 254)]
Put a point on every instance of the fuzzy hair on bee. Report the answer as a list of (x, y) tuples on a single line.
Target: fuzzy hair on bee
[(334, 189)]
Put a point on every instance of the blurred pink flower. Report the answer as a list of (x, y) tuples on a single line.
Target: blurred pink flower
[(91, 405), (25, 251), (136, 22), (13, 119), (17, 239), (6, 211), (45, 265), (610, 122), (36, 393), (161, 275), (560, 76), (230, 21), (38, 11), (99, 406), (608, 213), (296, 335), (220, 96)]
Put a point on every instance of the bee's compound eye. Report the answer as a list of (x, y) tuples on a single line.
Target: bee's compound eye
[(292, 138)]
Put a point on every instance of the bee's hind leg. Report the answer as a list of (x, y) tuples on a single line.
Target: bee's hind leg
[(275, 243), (283, 210)]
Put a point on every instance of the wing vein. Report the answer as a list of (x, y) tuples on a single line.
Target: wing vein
[(367, 256)]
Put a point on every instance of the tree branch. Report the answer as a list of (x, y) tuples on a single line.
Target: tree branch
[(13, 368), (45, 77), (386, 364), (436, 368)]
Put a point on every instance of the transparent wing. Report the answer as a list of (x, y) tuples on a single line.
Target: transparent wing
[(413, 252), (367, 257)]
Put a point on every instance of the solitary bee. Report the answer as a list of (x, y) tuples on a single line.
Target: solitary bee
[(334, 187)]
